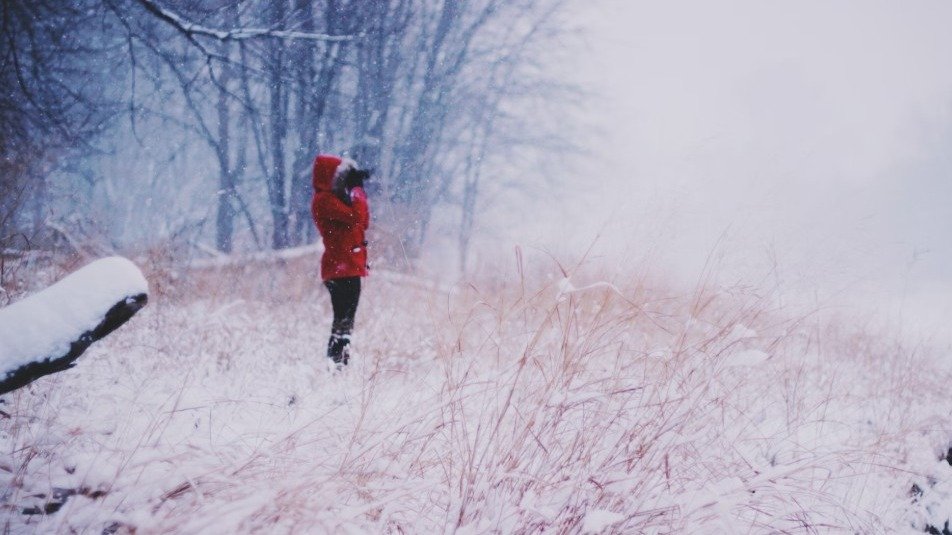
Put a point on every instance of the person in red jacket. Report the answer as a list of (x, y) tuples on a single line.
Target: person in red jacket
[(342, 215)]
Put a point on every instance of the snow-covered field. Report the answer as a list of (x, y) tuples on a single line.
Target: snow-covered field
[(492, 406)]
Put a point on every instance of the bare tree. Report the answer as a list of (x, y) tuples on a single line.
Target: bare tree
[(239, 97), (278, 123), (514, 76), (306, 121), (380, 56), (318, 69), (52, 106), (470, 54)]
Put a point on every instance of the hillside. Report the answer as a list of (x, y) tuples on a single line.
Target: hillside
[(521, 402)]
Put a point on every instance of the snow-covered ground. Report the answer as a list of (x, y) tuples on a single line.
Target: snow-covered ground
[(500, 407)]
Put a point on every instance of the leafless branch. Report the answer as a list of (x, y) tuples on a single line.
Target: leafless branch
[(191, 29)]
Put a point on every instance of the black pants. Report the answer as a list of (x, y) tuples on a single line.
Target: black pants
[(345, 293)]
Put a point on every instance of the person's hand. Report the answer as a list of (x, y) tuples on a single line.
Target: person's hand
[(356, 178)]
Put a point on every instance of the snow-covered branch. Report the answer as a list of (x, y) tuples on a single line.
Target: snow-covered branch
[(191, 29)]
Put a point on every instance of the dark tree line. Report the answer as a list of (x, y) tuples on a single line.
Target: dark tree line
[(51, 103), (213, 110)]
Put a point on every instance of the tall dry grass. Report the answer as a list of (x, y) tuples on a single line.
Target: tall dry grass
[(552, 400)]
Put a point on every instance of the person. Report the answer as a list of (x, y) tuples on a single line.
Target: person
[(342, 215)]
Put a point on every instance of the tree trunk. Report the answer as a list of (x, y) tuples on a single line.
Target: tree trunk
[(225, 218), (277, 180), (303, 54), (413, 183)]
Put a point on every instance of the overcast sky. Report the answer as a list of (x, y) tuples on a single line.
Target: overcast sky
[(813, 134)]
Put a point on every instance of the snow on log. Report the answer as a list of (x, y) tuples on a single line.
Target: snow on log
[(47, 331)]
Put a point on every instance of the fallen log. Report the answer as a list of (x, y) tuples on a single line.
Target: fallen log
[(46, 332)]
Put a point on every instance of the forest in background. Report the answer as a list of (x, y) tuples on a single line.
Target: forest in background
[(191, 126)]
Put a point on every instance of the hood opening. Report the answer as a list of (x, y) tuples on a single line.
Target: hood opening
[(327, 168)]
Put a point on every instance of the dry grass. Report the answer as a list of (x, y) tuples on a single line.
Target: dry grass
[(494, 406)]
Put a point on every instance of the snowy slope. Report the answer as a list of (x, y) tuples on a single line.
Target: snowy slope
[(503, 410)]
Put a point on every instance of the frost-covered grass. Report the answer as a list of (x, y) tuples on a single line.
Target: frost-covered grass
[(492, 407)]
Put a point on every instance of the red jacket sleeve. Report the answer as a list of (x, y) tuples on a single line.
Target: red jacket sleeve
[(327, 206), (360, 205)]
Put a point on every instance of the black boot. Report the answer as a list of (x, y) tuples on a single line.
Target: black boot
[(337, 348)]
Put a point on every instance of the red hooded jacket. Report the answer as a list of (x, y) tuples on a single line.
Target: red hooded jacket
[(342, 227)]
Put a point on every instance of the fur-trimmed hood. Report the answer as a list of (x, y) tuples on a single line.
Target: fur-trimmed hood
[(327, 168)]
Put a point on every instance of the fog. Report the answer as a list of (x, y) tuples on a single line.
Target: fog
[(804, 145)]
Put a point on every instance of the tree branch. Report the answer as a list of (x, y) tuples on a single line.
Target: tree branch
[(190, 29)]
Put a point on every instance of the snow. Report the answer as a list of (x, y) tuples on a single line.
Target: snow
[(292, 253), (741, 332), (44, 324), (611, 422), (750, 357), (597, 520), (566, 288)]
